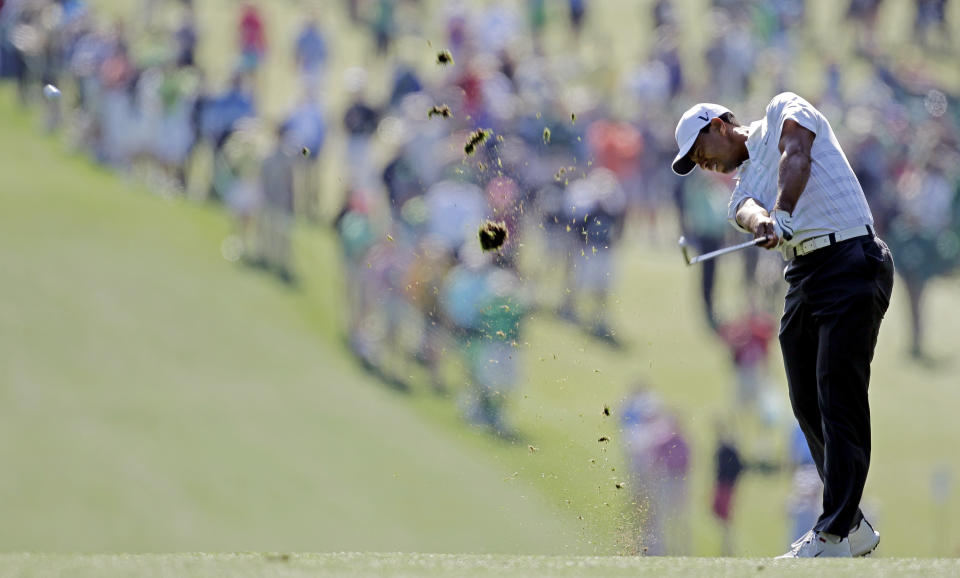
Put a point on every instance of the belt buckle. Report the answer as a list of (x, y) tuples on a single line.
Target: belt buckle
[(808, 246)]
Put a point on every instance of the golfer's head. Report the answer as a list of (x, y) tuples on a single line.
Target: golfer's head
[(705, 139)]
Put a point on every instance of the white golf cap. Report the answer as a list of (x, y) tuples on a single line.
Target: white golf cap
[(689, 127)]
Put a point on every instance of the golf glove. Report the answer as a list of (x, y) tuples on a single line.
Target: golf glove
[(783, 224)]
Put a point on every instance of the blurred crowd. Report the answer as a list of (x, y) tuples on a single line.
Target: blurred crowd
[(141, 105), (568, 153)]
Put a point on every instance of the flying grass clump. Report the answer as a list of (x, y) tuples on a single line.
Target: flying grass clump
[(546, 135), (440, 110), (493, 235), (444, 58), (476, 139)]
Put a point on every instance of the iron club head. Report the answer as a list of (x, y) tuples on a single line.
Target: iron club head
[(685, 249)]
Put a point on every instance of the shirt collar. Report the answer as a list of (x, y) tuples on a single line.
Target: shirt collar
[(754, 139), (756, 130)]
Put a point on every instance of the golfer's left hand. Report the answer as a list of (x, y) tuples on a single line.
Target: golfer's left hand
[(783, 224)]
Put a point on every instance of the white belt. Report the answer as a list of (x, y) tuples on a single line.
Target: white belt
[(811, 245)]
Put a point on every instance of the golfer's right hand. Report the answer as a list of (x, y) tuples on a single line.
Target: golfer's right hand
[(763, 227)]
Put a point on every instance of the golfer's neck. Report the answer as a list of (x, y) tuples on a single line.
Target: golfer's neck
[(740, 135)]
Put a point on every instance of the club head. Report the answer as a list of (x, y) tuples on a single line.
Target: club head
[(685, 249)]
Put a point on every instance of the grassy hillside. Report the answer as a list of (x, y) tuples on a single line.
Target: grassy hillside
[(155, 397)]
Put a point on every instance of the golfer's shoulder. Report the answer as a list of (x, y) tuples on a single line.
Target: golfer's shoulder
[(786, 100), (789, 105)]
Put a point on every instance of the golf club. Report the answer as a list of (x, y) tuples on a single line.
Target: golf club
[(684, 248)]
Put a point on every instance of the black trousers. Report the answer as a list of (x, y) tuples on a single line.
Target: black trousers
[(836, 299)]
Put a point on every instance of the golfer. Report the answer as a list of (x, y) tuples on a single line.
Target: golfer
[(796, 189)]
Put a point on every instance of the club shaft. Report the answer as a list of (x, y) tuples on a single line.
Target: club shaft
[(725, 250)]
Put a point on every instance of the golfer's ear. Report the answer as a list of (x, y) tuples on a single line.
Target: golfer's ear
[(717, 124)]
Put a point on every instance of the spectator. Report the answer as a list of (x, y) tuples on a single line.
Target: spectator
[(311, 54), (117, 75), (220, 117), (728, 470), (383, 26), (596, 207), (237, 180), (253, 42), (748, 339), (618, 147), (356, 227), (673, 461), (360, 122), (454, 208), (927, 197), (484, 304), (578, 12), (405, 82), (663, 14), (864, 15), (537, 16), (730, 58), (702, 209), (931, 14), (169, 137), (276, 218), (307, 132), (659, 459), (353, 10), (432, 262), (201, 99), (504, 197), (186, 38)]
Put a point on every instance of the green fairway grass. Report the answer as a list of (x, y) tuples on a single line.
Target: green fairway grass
[(278, 565), (155, 397)]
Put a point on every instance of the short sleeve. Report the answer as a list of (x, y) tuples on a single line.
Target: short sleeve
[(798, 110)]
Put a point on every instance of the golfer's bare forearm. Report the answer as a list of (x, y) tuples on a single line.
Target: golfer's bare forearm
[(750, 213), (753, 217)]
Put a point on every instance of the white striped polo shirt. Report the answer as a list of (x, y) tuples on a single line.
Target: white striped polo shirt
[(832, 200)]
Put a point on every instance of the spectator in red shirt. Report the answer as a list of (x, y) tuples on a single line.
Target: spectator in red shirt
[(253, 41)]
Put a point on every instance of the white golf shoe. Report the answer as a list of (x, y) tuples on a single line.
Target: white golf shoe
[(796, 543), (818, 545), (863, 539)]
